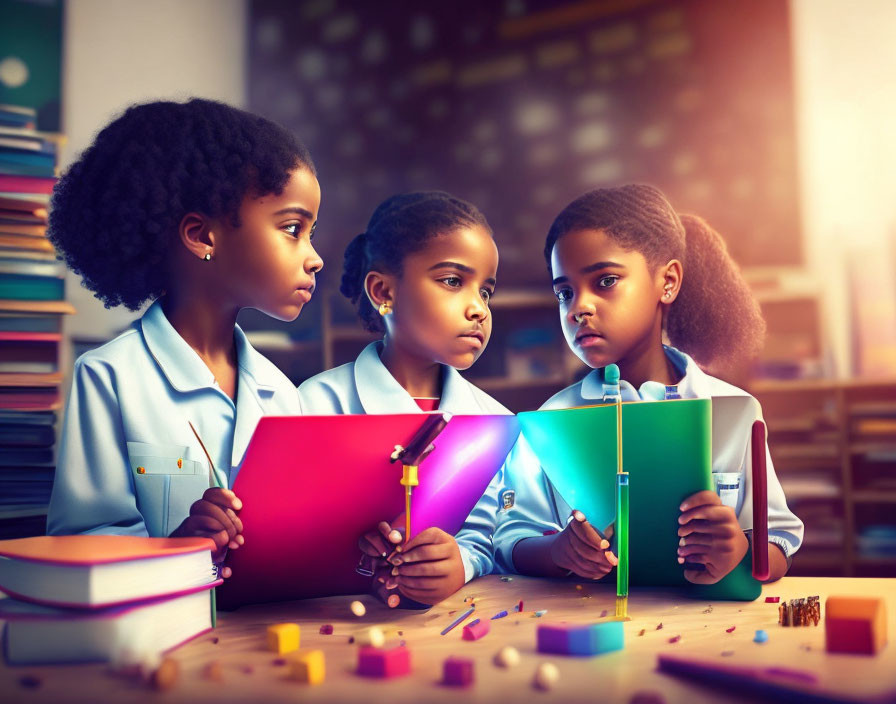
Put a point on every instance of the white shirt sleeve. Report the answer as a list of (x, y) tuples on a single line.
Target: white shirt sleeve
[(532, 508), (93, 491)]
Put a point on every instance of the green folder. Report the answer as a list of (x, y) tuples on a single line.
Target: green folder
[(667, 451)]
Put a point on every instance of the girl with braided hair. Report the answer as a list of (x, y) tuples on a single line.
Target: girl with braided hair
[(627, 271), (422, 275)]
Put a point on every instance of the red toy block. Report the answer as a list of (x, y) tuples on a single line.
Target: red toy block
[(476, 629), (384, 662), (854, 624), (457, 672)]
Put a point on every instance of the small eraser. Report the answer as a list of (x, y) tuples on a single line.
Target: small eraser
[(761, 636), (326, 629), (384, 662), (854, 624), (358, 609), (546, 676), (476, 629), (508, 656), (575, 639), (372, 636), (283, 637), (772, 599), (308, 666), (457, 672)]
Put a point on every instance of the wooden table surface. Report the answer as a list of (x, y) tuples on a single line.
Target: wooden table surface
[(252, 674)]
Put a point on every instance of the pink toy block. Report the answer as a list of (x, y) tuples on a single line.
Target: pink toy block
[(384, 662), (457, 672), (476, 629)]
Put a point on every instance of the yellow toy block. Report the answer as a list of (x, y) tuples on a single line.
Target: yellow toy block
[(283, 637), (308, 666)]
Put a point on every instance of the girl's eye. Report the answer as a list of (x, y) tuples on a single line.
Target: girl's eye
[(452, 281), (486, 294), (607, 281), (564, 295), (294, 229)]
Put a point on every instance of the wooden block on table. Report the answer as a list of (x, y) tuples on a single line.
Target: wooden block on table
[(854, 624), (457, 672), (384, 662), (283, 637), (308, 666), (578, 639)]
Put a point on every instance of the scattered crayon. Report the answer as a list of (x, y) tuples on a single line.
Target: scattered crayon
[(730, 630), (772, 599), (500, 614)]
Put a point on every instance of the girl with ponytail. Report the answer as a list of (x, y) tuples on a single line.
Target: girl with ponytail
[(628, 272), (422, 275)]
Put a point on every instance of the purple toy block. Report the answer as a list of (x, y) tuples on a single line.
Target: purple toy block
[(384, 662), (457, 672), (580, 639), (475, 630)]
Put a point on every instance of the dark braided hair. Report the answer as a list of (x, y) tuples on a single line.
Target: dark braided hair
[(715, 317), (116, 211), (400, 226)]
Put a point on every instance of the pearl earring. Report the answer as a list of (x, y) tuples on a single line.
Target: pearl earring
[(207, 257), (384, 309)]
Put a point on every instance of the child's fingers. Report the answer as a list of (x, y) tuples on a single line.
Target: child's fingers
[(372, 544), (430, 536), (701, 498), (226, 572), (435, 568), (716, 514), (392, 535), (713, 528), (424, 553), (700, 577), (203, 508), (423, 584), (584, 549), (692, 550), (224, 498), (585, 532)]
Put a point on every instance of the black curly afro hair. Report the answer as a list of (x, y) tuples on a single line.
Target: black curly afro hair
[(115, 213)]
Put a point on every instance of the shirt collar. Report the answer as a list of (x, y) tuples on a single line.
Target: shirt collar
[(184, 368), (379, 392), (694, 381)]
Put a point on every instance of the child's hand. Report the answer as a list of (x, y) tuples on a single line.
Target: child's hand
[(710, 535), (579, 548), (382, 541), (214, 516), (428, 568)]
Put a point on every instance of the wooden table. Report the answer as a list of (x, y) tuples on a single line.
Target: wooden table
[(252, 674)]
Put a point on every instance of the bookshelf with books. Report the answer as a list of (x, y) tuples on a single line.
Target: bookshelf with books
[(834, 447), (32, 303)]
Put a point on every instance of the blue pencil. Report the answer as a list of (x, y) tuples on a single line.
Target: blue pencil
[(460, 618)]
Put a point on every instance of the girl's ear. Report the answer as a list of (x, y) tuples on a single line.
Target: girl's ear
[(670, 281), (380, 288), (197, 236)]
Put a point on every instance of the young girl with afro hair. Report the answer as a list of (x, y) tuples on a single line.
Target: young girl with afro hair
[(422, 275), (201, 210), (626, 271)]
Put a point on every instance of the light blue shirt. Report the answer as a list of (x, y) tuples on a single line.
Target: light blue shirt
[(537, 507), (128, 462), (366, 386)]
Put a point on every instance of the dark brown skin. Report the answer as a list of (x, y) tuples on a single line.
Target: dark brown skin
[(440, 298), (267, 262), (620, 303)]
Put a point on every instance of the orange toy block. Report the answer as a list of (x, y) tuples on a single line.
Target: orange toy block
[(283, 637), (854, 624)]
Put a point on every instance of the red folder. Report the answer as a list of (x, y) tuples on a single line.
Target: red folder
[(312, 485)]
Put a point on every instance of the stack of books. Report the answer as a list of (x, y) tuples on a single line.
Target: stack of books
[(91, 598), (32, 304)]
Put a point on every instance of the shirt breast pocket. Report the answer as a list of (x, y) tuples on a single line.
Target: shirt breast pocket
[(166, 484)]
